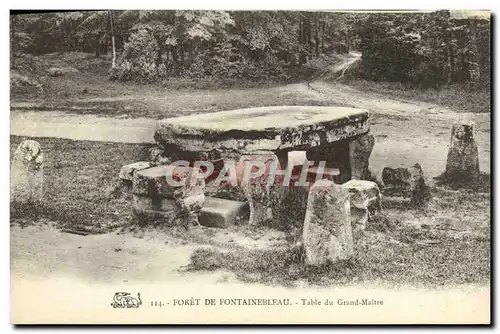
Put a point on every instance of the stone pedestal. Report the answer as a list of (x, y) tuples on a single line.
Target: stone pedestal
[(327, 232), (257, 189), (365, 200)]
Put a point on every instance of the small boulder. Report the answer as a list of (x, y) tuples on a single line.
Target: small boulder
[(182, 182), (168, 194), (60, 71)]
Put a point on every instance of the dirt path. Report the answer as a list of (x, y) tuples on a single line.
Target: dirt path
[(81, 127)]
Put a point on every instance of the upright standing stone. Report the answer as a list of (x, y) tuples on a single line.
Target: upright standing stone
[(462, 163), (26, 173), (327, 233), (406, 182), (360, 150)]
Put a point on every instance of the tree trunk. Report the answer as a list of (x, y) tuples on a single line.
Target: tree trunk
[(316, 30), (300, 32), (182, 53), (97, 46), (323, 37), (347, 41), (14, 43), (473, 55), (113, 46)]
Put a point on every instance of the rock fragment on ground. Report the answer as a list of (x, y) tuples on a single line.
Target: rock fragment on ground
[(407, 182)]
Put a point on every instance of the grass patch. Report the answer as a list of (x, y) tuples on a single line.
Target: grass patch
[(77, 175), (407, 256), (391, 251), (480, 183), (456, 97)]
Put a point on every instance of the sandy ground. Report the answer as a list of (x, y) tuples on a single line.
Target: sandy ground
[(75, 277), (81, 127)]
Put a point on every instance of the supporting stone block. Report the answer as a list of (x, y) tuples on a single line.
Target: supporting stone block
[(257, 189), (360, 150)]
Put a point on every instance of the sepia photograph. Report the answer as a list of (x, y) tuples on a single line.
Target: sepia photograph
[(250, 167)]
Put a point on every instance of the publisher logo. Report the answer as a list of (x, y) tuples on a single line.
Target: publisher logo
[(125, 300)]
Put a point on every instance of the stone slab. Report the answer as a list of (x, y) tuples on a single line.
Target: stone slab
[(218, 212)]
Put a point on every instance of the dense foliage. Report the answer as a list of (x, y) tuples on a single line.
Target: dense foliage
[(428, 49), (152, 45)]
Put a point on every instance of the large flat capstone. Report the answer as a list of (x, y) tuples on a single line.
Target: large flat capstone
[(262, 129)]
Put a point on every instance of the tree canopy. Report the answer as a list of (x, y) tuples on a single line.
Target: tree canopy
[(421, 48)]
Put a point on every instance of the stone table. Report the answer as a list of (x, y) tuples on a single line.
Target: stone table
[(338, 135)]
